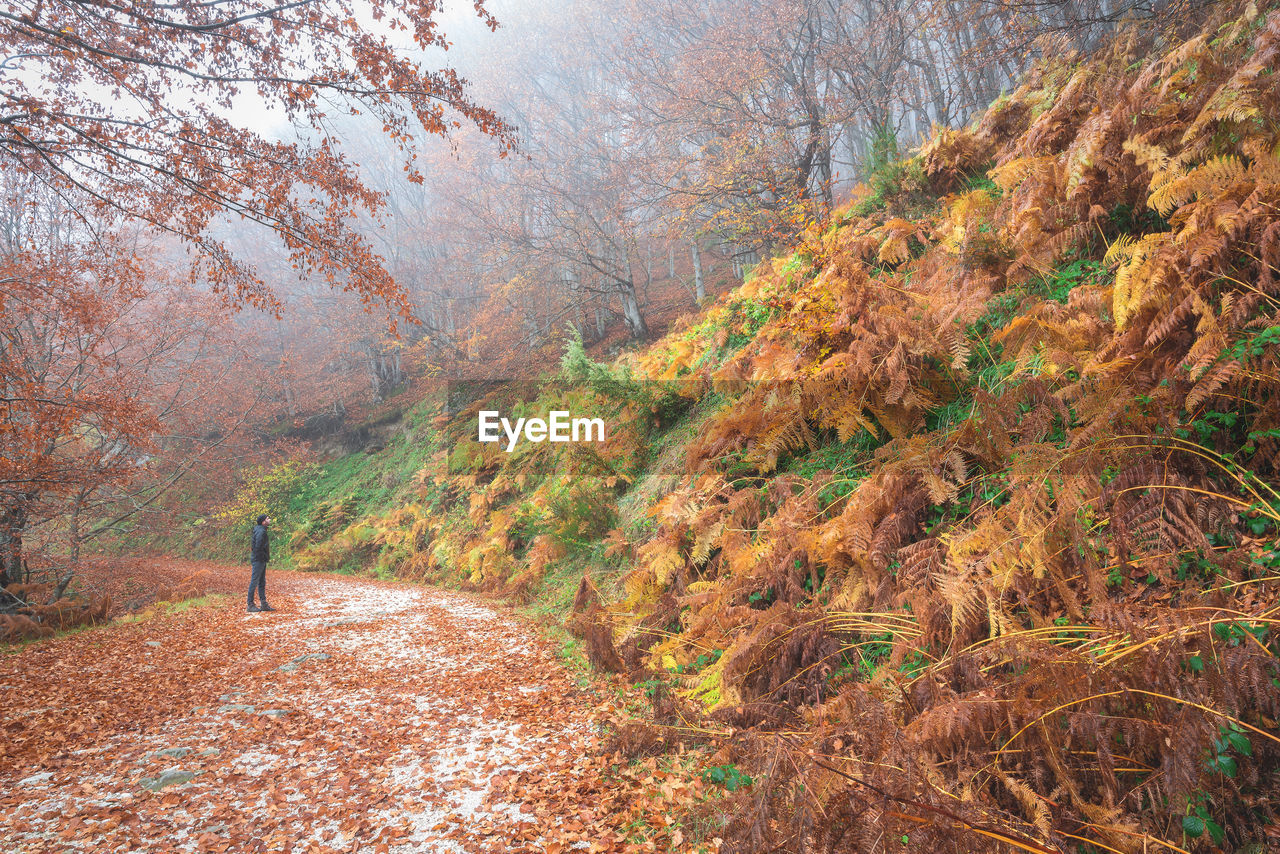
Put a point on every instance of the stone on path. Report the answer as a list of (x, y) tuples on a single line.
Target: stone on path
[(300, 660), (170, 753), (172, 777), (234, 707)]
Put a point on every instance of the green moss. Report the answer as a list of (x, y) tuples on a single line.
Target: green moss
[(1058, 285)]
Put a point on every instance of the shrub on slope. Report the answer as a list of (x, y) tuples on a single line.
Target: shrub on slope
[(1037, 598)]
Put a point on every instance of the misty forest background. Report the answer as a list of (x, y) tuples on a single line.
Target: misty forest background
[(661, 152)]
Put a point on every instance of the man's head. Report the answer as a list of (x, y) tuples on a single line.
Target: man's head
[(263, 520)]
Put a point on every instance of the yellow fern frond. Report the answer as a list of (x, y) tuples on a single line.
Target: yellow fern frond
[(707, 541), (1208, 178), (1121, 249)]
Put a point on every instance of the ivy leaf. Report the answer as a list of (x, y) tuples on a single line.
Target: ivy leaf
[(1241, 743)]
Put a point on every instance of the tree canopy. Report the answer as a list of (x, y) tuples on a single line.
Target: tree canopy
[(134, 110)]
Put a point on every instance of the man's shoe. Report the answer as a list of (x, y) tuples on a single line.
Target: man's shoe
[(266, 608), (253, 609)]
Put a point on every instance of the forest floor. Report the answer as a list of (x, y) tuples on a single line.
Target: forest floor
[(360, 716)]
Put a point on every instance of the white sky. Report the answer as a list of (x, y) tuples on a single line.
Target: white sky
[(458, 22)]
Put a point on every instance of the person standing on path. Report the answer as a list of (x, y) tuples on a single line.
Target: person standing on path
[(259, 554)]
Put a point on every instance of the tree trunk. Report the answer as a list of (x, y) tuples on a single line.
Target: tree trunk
[(699, 287), (575, 297), (631, 313), (13, 523), (74, 539)]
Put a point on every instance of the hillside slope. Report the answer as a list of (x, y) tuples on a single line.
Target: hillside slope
[(956, 528)]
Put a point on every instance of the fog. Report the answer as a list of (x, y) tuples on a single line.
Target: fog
[(600, 169)]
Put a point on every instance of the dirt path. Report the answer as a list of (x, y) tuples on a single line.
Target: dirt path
[(361, 716)]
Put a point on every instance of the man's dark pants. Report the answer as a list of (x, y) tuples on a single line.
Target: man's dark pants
[(258, 579)]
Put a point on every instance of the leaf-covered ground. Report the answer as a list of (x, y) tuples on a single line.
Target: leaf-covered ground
[(136, 583), (361, 716)]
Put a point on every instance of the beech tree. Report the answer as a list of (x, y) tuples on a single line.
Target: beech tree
[(65, 424), (129, 110), (119, 121), (109, 370)]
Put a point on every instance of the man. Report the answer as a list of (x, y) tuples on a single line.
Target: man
[(259, 554)]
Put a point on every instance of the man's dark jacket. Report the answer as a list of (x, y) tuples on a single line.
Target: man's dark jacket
[(260, 551)]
